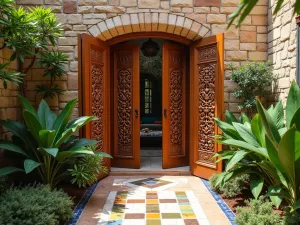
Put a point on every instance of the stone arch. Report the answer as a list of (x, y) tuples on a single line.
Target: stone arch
[(149, 22)]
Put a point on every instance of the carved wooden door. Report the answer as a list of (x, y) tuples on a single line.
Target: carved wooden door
[(126, 106), (175, 152), (93, 58), (206, 102)]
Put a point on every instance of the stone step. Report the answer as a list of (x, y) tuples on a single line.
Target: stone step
[(150, 173)]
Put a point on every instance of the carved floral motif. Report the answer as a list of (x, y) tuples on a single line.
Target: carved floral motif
[(176, 112), (209, 53), (97, 104), (206, 79), (124, 98)]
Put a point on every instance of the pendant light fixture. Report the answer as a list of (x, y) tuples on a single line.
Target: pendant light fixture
[(150, 48)]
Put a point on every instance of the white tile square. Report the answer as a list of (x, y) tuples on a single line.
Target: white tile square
[(171, 222), (169, 208)]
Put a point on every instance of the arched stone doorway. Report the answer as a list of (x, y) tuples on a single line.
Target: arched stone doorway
[(205, 85)]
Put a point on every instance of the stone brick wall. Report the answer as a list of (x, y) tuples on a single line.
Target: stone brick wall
[(9, 105), (282, 45), (189, 18)]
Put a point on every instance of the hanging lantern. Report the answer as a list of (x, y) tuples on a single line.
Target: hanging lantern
[(150, 48)]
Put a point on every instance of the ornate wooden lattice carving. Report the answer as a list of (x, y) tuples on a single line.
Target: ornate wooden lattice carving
[(97, 95), (207, 65), (124, 104), (176, 104)]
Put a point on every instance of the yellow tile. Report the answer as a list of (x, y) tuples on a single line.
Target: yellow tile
[(188, 216), (116, 216), (153, 216), (152, 201)]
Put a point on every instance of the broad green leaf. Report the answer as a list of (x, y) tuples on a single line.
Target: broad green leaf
[(30, 165), (20, 131), (288, 149), (83, 142), (296, 119), (33, 124), (296, 206), (282, 131), (238, 172), (258, 130), (277, 114), (46, 116), (293, 103), (274, 193), (8, 170), (51, 151), (268, 122), (256, 186), (246, 134), (229, 117), (104, 155), (8, 145), (27, 105), (63, 118), (76, 124), (227, 129), (46, 138), (273, 155), (61, 156), (245, 118), (238, 156), (245, 145)]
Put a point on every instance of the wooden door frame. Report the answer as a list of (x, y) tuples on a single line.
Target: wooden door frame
[(173, 37)]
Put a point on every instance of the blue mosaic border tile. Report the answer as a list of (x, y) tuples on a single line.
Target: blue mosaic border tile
[(81, 205), (221, 203)]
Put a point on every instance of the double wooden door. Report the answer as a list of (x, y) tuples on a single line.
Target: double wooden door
[(192, 97)]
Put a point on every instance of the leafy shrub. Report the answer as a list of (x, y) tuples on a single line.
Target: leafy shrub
[(292, 218), (266, 148), (231, 188), (253, 79), (257, 212), (87, 168), (46, 142), (3, 185), (35, 206)]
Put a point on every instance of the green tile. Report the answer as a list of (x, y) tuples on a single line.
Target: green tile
[(153, 222), (171, 215)]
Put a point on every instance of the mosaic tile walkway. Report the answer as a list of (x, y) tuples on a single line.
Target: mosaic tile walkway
[(152, 208), (157, 200)]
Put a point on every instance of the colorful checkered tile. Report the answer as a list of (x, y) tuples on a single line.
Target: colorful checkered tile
[(152, 208), (149, 184)]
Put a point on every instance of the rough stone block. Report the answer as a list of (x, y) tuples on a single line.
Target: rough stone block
[(231, 44), (74, 18), (180, 3), (248, 46), (203, 3), (128, 3), (148, 4), (216, 18), (70, 6), (260, 56), (236, 55), (247, 36), (92, 2), (109, 9)]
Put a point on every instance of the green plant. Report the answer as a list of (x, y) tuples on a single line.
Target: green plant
[(291, 218), (253, 79), (86, 169), (46, 142), (7, 75), (231, 188), (35, 205), (246, 6), (3, 185), (257, 212), (266, 149), (28, 33)]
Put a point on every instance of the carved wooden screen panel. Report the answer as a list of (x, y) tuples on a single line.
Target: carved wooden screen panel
[(207, 91), (126, 106), (174, 106), (93, 89)]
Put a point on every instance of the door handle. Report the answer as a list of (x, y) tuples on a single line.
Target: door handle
[(165, 113), (136, 113)]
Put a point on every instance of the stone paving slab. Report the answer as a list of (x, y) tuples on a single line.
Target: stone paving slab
[(189, 202)]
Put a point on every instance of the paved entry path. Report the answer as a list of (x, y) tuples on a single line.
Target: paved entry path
[(163, 200)]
